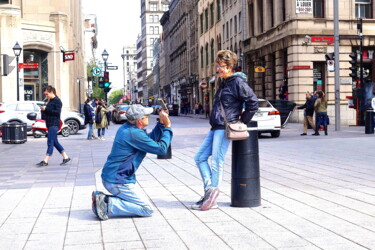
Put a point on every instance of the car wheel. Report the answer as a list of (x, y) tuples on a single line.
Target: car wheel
[(36, 135), (275, 134), (73, 125), (65, 132)]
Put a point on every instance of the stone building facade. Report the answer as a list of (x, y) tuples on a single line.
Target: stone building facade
[(43, 33)]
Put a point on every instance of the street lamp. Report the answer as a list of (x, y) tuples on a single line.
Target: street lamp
[(105, 58), (17, 52), (123, 69)]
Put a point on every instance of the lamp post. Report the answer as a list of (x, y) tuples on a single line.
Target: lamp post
[(17, 52), (123, 69), (105, 58)]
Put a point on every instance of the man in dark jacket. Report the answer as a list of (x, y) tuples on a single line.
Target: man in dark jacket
[(309, 112)]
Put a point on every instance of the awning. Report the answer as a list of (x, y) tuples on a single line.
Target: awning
[(212, 80), (203, 85)]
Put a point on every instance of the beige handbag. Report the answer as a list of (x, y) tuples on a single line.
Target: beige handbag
[(234, 131)]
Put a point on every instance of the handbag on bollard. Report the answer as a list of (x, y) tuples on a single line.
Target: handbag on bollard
[(236, 131)]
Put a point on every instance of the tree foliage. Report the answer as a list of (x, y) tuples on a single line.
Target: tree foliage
[(115, 96), (97, 92)]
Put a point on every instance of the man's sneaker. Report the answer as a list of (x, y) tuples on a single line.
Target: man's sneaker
[(198, 205), (93, 205), (42, 164), (210, 197), (101, 206), (65, 161)]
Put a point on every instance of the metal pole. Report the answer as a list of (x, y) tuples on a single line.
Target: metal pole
[(79, 95), (361, 67), (18, 80), (337, 66)]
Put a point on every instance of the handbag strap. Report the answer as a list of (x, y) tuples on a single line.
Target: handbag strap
[(222, 108)]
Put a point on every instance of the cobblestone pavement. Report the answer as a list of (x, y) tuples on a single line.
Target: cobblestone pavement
[(317, 193)]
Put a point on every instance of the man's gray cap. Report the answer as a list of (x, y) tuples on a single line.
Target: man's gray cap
[(137, 111)]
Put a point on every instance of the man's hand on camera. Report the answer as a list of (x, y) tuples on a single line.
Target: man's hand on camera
[(164, 119)]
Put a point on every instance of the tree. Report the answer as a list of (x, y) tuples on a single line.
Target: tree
[(97, 92), (115, 96)]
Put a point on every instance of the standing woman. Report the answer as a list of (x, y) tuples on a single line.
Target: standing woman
[(89, 117), (232, 94), (320, 107), (101, 125), (52, 113)]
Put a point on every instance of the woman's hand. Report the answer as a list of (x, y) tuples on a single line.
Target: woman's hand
[(164, 119)]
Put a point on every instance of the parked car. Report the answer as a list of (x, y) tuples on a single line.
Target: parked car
[(173, 109), (268, 118), (119, 113), (17, 112)]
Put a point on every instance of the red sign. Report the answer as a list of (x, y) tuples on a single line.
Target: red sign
[(322, 39), (27, 65), (299, 67), (68, 56)]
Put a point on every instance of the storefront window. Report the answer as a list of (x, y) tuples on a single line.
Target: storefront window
[(35, 74)]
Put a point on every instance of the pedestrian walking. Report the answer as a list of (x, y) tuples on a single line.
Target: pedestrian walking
[(89, 117), (308, 112), (207, 109), (101, 122), (129, 149), (52, 112), (232, 93), (320, 107)]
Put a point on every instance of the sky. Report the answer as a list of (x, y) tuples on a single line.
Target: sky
[(119, 24)]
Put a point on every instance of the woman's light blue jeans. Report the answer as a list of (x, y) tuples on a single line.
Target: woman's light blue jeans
[(215, 145), (128, 200)]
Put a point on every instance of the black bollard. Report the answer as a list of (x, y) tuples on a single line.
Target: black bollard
[(245, 171), (168, 155), (369, 123)]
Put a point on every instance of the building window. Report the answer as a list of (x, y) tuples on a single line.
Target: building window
[(156, 18), (151, 30), (363, 8), (153, 6), (202, 27), (231, 27), (202, 62), (235, 25), (260, 12), (165, 7), (283, 11), (251, 19), (318, 8), (271, 12), (212, 14), (227, 31), (156, 30), (206, 53), (152, 40), (212, 51), (218, 8), (206, 17), (223, 30)]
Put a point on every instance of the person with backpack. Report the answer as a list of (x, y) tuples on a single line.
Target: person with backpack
[(101, 122)]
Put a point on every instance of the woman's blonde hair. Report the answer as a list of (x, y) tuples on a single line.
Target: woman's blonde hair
[(227, 56)]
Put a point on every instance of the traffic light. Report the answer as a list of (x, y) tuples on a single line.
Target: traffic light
[(353, 66), (6, 67)]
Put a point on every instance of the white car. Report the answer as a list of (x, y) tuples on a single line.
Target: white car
[(268, 118), (17, 112)]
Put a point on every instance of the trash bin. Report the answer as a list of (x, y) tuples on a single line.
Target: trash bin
[(369, 122), (245, 184), (14, 133)]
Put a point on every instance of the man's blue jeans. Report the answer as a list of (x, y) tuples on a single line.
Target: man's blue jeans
[(128, 200), (215, 145), (52, 141)]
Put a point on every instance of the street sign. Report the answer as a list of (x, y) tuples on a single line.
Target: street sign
[(112, 67), (96, 71), (68, 56), (260, 69), (27, 65)]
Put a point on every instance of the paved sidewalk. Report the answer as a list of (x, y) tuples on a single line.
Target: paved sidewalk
[(317, 193)]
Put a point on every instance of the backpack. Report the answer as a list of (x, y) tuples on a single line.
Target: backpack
[(98, 117)]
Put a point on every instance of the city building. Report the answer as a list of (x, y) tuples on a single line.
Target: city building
[(151, 12), (52, 50), (287, 44), (129, 58)]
